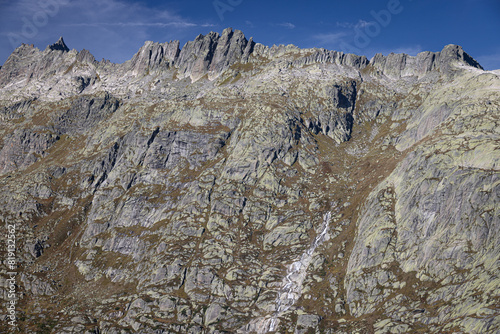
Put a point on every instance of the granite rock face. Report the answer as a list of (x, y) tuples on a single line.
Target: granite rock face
[(400, 65), (231, 187)]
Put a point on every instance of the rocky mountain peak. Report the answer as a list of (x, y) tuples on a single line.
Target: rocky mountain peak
[(59, 45), (401, 64), (154, 56), (453, 52), (213, 53), (85, 56)]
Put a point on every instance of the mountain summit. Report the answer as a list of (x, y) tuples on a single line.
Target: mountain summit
[(231, 187), (59, 45)]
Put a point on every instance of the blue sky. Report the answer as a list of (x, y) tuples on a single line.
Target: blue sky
[(116, 29)]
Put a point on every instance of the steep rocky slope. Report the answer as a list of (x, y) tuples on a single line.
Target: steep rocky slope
[(230, 187)]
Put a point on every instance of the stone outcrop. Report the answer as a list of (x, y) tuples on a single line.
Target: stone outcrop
[(59, 46), (401, 65), (213, 53)]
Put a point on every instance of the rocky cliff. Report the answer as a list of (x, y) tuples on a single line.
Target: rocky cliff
[(231, 187)]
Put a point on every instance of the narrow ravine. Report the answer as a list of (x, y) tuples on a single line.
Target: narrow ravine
[(291, 287), (296, 273)]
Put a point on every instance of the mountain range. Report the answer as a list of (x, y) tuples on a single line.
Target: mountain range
[(231, 187)]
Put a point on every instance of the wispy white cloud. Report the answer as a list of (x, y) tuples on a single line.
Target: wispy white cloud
[(119, 13), (140, 24), (409, 50), (329, 39), (353, 25), (348, 25), (362, 24), (114, 29), (287, 25)]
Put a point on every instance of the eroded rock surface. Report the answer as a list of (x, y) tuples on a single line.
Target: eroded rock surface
[(227, 186)]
